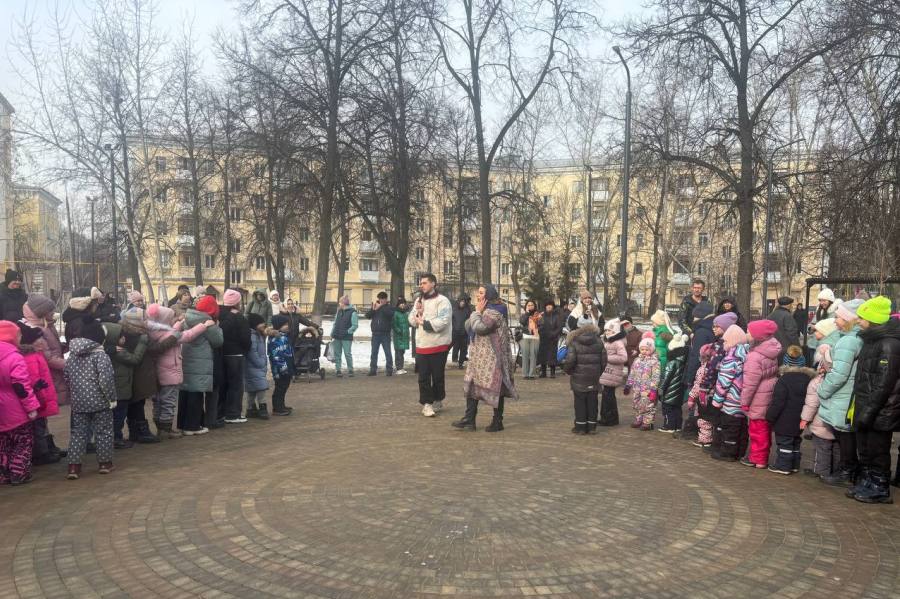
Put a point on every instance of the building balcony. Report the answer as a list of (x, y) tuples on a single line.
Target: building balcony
[(600, 224), (182, 175), (773, 277), (369, 276), (470, 224), (681, 278), (369, 247), (184, 240)]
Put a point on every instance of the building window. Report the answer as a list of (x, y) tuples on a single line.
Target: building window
[(165, 258), (185, 225), (726, 252), (420, 253), (728, 220), (206, 168), (368, 264), (256, 200), (260, 262), (160, 164), (702, 268), (209, 261), (160, 195), (448, 267), (184, 163), (420, 224), (366, 235), (725, 282), (235, 246), (209, 198), (638, 268), (640, 212), (303, 234), (304, 264), (703, 240), (237, 277), (578, 187), (162, 228), (545, 256), (575, 241), (680, 266), (186, 258), (574, 269), (234, 213), (504, 269), (639, 240), (448, 240), (238, 184), (547, 201)]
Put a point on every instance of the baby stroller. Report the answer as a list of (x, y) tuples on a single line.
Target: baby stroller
[(306, 355)]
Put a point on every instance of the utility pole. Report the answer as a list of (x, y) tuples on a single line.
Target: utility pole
[(591, 283), (626, 187), (93, 250), (115, 229)]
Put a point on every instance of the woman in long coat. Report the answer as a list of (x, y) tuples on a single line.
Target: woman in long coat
[(489, 370), (550, 328)]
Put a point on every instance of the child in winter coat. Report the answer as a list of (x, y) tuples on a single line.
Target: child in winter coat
[(585, 360), (162, 326), (614, 374), (700, 398), (643, 381), (671, 387), (18, 409), (730, 433), (785, 411), (41, 383), (92, 388), (281, 357), (400, 328), (255, 367), (760, 376), (662, 329), (827, 458)]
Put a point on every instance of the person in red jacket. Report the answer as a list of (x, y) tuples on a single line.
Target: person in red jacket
[(44, 390), (18, 409)]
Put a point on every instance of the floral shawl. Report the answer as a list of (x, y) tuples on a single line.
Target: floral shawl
[(490, 366)]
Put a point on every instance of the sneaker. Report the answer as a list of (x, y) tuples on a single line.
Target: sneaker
[(106, 468), (779, 470), (235, 420), (338, 375), (697, 444), (74, 472), (437, 406), (666, 430), (350, 374), (746, 462), (285, 411), (401, 371), (427, 410), (202, 431), (123, 444)]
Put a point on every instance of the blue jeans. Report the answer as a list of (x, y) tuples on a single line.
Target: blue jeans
[(381, 340)]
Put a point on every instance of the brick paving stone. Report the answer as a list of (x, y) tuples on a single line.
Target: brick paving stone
[(358, 495)]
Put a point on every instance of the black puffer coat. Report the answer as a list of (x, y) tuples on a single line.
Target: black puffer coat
[(235, 332), (550, 328), (586, 359), (671, 387), (877, 389), (788, 400), (11, 302)]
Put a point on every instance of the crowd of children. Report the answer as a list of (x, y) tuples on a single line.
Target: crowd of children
[(194, 363)]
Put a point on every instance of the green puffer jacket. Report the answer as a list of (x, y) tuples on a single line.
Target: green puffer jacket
[(124, 359), (836, 389), (197, 356), (401, 330), (663, 336), (671, 388)]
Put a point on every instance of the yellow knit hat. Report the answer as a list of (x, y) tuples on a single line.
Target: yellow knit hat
[(876, 310)]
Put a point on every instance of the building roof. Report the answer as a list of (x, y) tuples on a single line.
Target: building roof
[(43, 193), (7, 108)]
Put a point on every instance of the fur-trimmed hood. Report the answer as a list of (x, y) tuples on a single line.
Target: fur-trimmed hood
[(583, 330), (798, 369)]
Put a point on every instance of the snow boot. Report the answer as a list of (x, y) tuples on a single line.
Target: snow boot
[(467, 422)]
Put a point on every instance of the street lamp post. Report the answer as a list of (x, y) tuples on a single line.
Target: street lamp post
[(93, 200), (627, 184), (591, 279), (112, 204)]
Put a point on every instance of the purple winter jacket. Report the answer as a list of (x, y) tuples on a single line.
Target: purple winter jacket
[(760, 376)]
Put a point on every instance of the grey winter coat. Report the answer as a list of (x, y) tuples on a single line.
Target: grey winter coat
[(90, 376), (260, 304), (787, 333), (255, 364), (197, 356)]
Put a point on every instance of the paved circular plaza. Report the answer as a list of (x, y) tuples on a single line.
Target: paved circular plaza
[(358, 495)]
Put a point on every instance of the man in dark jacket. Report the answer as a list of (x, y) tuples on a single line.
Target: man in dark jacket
[(12, 296), (235, 345), (876, 397), (787, 334), (382, 316), (690, 302), (461, 312), (584, 362)]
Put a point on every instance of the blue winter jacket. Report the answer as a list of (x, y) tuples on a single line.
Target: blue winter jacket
[(836, 389), (256, 364), (281, 356)]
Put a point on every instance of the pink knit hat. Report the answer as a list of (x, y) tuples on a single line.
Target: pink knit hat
[(232, 298), (158, 313), (648, 339), (734, 335), (135, 296), (9, 332), (761, 330)]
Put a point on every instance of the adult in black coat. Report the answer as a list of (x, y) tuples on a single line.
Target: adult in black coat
[(701, 325), (12, 296), (235, 346), (787, 334), (550, 328), (585, 361), (296, 320), (461, 312), (728, 304)]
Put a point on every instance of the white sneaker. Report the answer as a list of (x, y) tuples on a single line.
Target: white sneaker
[(202, 431), (401, 371), (427, 410), (438, 406), (235, 420)]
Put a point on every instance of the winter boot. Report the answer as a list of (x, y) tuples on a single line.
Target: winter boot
[(636, 423), (54, 449), (876, 489), (896, 481), (119, 444), (143, 433), (263, 413), (74, 471), (840, 478), (252, 412), (496, 424), (45, 458), (863, 481), (580, 428), (165, 430), (468, 420), (106, 467), (591, 428), (553, 372)]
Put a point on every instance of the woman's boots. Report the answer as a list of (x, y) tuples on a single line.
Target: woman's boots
[(467, 423), (497, 423)]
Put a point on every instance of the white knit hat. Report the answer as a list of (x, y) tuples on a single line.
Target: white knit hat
[(826, 294)]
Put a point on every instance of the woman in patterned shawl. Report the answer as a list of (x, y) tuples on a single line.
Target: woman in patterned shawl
[(489, 371)]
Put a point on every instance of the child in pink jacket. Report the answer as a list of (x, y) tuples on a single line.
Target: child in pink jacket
[(643, 381), (760, 376), (614, 374), (18, 409), (161, 325), (39, 371), (701, 398)]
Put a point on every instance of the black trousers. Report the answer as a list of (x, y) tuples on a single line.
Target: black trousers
[(787, 453), (190, 409), (586, 407), (874, 449), (460, 347), (609, 408), (232, 390), (847, 443), (281, 387), (399, 357), (732, 436), (431, 376), (672, 418)]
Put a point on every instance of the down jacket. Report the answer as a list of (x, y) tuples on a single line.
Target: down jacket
[(877, 387), (52, 347), (787, 334), (41, 381), (197, 355), (810, 411), (124, 359), (616, 358), (730, 381), (672, 383), (91, 376), (169, 362), (17, 398), (836, 390), (702, 334), (786, 408), (256, 364), (760, 376), (585, 360)]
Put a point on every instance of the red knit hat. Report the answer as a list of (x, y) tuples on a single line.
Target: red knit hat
[(762, 329), (208, 304), (9, 332)]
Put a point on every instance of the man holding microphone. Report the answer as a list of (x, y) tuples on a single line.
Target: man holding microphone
[(431, 318)]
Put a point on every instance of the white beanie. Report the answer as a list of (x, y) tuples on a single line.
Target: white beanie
[(826, 294)]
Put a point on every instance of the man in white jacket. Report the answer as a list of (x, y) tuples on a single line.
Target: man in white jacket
[(431, 317)]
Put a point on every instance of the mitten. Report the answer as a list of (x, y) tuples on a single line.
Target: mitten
[(627, 390), (745, 408), (652, 396)]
